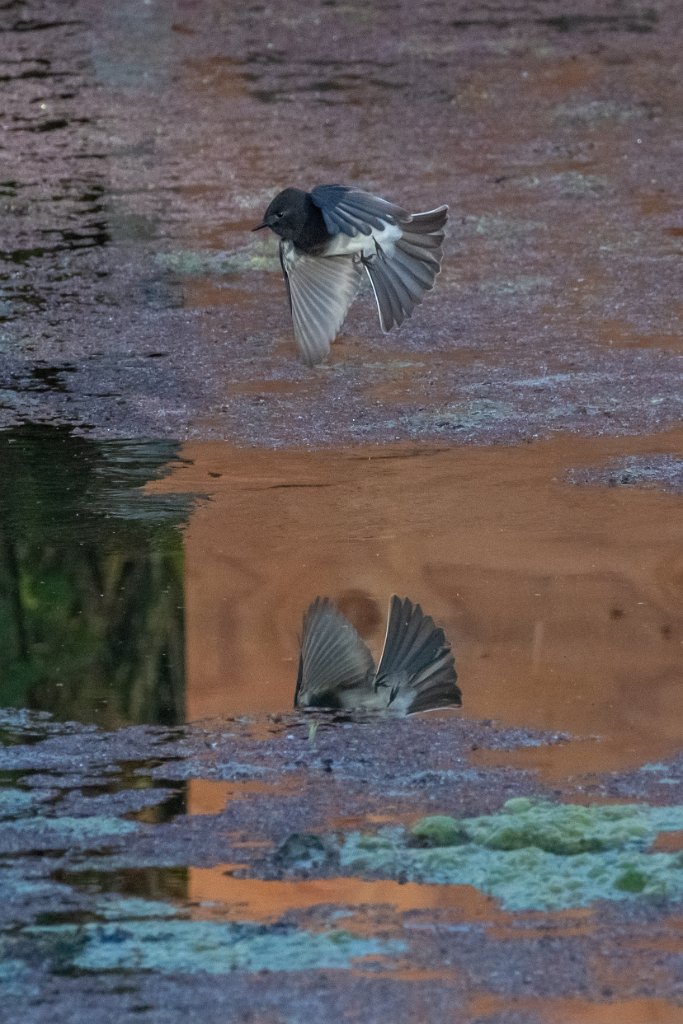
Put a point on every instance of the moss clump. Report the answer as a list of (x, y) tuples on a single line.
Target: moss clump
[(375, 842), (632, 880), (566, 829), (438, 830)]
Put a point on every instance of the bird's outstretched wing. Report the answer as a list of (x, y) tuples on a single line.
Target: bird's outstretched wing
[(321, 289), (333, 660), (352, 211), (416, 664)]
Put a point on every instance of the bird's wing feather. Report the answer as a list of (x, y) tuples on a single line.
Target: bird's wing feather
[(351, 211), (333, 658), (321, 289)]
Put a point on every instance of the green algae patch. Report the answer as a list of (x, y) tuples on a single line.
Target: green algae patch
[(532, 855), (632, 880), (193, 263), (438, 830), (171, 945)]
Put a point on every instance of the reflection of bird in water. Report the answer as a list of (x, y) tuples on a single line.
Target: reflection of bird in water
[(336, 670)]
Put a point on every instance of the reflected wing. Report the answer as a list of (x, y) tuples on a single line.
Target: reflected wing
[(352, 211), (333, 659), (321, 289), (417, 664)]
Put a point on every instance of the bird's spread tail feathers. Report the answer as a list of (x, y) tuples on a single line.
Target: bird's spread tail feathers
[(417, 664), (401, 278)]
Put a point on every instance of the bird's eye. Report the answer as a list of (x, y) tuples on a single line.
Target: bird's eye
[(280, 213)]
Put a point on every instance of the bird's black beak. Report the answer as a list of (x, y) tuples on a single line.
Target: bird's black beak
[(258, 227)]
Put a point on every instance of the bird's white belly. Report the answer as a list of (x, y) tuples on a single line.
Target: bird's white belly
[(365, 245)]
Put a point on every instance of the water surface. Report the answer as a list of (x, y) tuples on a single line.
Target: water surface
[(126, 603)]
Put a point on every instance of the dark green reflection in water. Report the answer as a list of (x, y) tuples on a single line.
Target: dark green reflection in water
[(91, 579)]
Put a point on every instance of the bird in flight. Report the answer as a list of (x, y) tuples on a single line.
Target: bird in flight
[(416, 671), (329, 237)]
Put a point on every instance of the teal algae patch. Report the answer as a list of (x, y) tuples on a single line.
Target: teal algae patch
[(570, 184), (118, 908), (56, 833), (17, 803), (464, 415), (596, 112), (146, 936), (532, 855), (16, 885), (16, 979), (499, 227), (523, 284)]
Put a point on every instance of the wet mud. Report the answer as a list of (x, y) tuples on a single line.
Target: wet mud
[(176, 487)]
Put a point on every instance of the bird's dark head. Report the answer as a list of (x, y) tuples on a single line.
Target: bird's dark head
[(286, 214)]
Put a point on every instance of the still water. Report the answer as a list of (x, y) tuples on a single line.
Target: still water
[(91, 579), (161, 583)]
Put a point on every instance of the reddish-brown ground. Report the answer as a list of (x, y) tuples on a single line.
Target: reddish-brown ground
[(140, 142)]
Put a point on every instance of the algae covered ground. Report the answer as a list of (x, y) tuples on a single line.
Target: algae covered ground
[(534, 856), (312, 875)]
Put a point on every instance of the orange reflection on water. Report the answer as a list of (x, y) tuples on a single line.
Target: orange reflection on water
[(211, 796), (564, 603), (259, 900)]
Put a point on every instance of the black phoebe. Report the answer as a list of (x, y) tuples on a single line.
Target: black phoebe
[(329, 236), (336, 670)]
